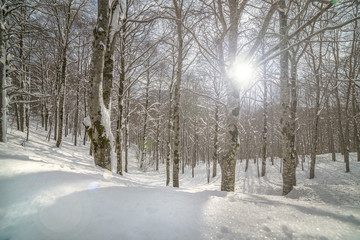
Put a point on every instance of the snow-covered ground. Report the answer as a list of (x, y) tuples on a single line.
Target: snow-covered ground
[(51, 193)]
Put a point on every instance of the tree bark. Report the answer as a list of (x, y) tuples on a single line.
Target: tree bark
[(126, 135), (120, 100), (265, 126), (347, 130), (97, 132), (3, 106), (143, 142), (62, 97), (315, 130), (216, 143), (288, 173), (76, 118), (228, 161), (356, 111), (330, 131), (64, 47), (176, 160)]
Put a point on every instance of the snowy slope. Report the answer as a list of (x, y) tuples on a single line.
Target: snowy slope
[(51, 193)]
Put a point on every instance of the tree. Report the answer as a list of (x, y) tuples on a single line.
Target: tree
[(64, 36), (100, 130), (3, 105)]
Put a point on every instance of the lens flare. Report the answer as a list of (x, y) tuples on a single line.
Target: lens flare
[(241, 72)]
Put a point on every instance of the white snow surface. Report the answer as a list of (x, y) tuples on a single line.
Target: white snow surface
[(58, 193)]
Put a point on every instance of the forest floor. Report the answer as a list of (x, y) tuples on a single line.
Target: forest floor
[(57, 193)]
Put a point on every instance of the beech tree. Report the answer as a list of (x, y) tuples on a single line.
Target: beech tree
[(100, 128)]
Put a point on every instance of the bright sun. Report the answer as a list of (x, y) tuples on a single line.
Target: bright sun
[(242, 72)]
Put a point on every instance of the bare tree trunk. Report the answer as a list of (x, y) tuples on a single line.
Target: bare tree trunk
[(195, 149), (64, 46), (246, 164), (16, 108), (168, 144), (50, 128), (120, 101), (176, 160), (352, 68), (157, 139), (216, 143), (315, 128), (356, 111), (76, 120), (157, 145), (337, 97), (288, 173), (330, 131), (22, 112), (193, 162), (42, 115), (228, 162), (302, 162), (3, 104), (119, 126), (265, 126), (340, 121), (347, 130), (46, 117), (27, 121), (293, 111), (56, 93), (67, 125), (85, 114), (143, 142), (208, 163), (62, 98), (97, 132), (183, 147), (126, 135)]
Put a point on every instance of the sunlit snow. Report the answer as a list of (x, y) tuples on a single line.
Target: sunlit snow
[(52, 193)]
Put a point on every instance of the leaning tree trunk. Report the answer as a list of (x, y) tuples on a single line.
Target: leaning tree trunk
[(97, 132)]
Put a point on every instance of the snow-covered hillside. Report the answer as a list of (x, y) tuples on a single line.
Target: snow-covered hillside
[(51, 193)]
